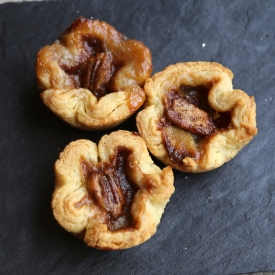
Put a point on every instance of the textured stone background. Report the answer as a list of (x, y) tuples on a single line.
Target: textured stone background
[(221, 222)]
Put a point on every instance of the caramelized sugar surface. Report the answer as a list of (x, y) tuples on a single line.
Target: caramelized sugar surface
[(111, 189), (101, 57), (189, 121)]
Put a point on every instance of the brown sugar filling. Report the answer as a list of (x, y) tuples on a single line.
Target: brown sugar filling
[(99, 62), (96, 65), (189, 121), (111, 189), (94, 74)]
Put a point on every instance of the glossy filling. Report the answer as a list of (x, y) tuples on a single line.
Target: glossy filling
[(111, 189), (96, 71), (189, 121), (101, 58)]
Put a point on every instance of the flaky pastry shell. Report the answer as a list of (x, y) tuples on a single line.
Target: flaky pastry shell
[(112, 195), (92, 77), (194, 120)]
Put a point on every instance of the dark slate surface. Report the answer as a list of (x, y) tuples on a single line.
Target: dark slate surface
[(220, 222)]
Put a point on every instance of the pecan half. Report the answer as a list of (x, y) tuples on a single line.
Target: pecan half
[(112, 191), (187, 116), (98, 73), (107, 194)]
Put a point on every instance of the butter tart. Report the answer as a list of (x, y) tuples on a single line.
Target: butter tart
[(194, 120), (111, 195), (92, 77)]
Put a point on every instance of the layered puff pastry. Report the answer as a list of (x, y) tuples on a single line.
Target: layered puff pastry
[(92, 77), (194, 120), (111, 195)]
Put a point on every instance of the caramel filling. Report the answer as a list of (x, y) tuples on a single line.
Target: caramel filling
[(112, 191), (100, 58), (189, 121), (96, 64), (98, 73), (95, 73)]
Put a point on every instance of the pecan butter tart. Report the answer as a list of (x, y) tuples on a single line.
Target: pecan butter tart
[(194, 120), (111, 195), (92, 77)]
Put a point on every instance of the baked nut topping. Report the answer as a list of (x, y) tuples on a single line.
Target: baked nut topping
[(92, 77), (194, 120), (111, 195), (111, 189), (187, 115)]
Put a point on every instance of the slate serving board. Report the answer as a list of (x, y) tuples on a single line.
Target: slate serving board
[(220, 222)]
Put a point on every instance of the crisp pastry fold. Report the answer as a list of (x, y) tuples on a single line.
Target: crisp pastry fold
[(194, 120), (92, 77), (112, 195)]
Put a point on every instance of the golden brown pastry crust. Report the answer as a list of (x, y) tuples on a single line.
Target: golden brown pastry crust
[(78, 210), (92, 77), (219, 146)]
